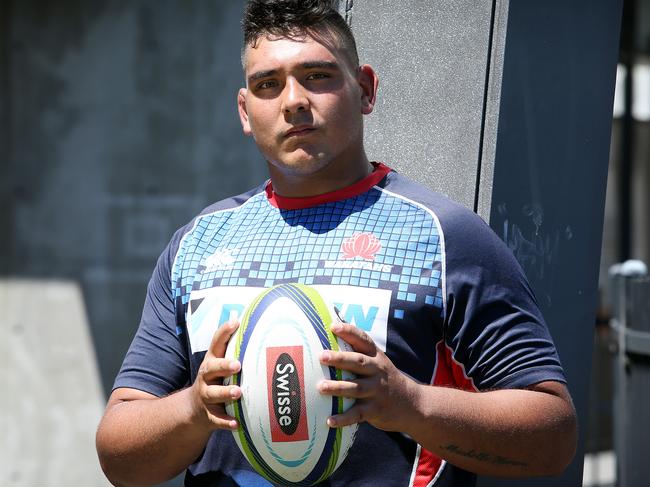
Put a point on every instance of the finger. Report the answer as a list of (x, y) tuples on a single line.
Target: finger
[(221, 337), (220, 419), (214, 394), (355, 362), (356, 337), (354, 389), (214, 369), (356, 414)]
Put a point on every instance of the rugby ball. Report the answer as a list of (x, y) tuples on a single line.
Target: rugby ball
[(282, 417)]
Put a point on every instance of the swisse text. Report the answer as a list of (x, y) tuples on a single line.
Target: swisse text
[(285, 388), (286, 394)]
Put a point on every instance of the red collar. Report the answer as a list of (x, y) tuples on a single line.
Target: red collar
[(285, 203)]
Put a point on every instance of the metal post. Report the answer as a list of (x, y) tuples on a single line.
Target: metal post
[(631, 323)]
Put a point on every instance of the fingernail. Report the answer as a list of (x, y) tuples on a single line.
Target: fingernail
[(234, 392), (323, 386), (234, 366), (336, 327), (326, 356), (331, 423), (233, 425)]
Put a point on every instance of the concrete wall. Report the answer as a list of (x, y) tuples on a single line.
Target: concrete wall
[(552, 151), (433, 60), (121, 118), (117, 124), (506, 107)]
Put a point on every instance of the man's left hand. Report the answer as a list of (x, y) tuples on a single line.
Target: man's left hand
[(380, 389)]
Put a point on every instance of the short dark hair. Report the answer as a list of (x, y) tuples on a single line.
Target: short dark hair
[(296, 18)]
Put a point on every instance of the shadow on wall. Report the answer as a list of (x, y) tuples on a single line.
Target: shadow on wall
[(121, 124)]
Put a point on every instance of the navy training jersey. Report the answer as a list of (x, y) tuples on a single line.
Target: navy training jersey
[(430, 282)]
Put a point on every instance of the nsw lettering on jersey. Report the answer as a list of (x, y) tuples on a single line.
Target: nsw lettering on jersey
[(210, 308)]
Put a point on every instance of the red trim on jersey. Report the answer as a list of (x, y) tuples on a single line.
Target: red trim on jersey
[(428, 467), (285, 203), (448, 373)]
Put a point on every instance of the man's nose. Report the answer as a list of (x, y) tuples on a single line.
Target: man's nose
[(294, 97)]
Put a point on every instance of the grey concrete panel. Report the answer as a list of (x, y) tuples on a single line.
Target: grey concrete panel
[(431, 58), (538, 146), (551, 168), (51, 397), (124, 125)]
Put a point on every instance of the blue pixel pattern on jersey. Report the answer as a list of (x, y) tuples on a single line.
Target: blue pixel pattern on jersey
[(274, 246)]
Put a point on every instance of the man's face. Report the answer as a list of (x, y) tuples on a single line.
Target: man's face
[(303, 103)]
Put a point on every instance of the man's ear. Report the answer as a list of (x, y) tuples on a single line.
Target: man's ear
[(243, 113), (369, 82)]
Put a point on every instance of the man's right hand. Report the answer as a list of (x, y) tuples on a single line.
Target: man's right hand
[(145, 440), (208, 391)]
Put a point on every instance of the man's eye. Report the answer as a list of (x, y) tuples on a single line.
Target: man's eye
[(316, 76), (266, 85)]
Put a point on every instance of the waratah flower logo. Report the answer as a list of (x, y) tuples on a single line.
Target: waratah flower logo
[(364, 245)]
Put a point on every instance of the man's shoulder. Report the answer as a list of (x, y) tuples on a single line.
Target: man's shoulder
[(232, 202), (465, 235), (227, 204), (449, 213), (211, 213)]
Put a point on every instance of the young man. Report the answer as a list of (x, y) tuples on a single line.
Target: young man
[(457, 374)]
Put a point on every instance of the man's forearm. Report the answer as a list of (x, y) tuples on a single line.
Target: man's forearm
[(508, 433), (147, 441)]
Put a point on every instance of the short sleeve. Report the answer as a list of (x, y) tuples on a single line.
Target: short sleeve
[(157, 361), (493, 325)]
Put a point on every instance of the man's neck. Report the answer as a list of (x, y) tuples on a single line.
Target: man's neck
[(328, 179)]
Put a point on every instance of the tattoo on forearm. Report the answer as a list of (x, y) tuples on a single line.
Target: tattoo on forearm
[(482, 456)]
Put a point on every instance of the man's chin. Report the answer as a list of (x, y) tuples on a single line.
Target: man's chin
[(299, 166)]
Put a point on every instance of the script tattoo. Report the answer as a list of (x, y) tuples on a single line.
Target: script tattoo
[(482, 456)]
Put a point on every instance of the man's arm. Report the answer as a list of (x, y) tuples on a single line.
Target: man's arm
[(507, 433), (144, 440)]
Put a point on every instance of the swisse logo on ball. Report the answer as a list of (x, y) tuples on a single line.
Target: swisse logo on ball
[(286, 394)]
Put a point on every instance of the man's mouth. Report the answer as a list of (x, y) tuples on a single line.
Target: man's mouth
[(299, 131)]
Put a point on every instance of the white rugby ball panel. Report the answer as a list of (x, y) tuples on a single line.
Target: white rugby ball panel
[(283, 431)]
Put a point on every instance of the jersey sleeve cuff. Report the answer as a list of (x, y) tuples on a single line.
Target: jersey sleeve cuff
[(529, 377), (152, 385)]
